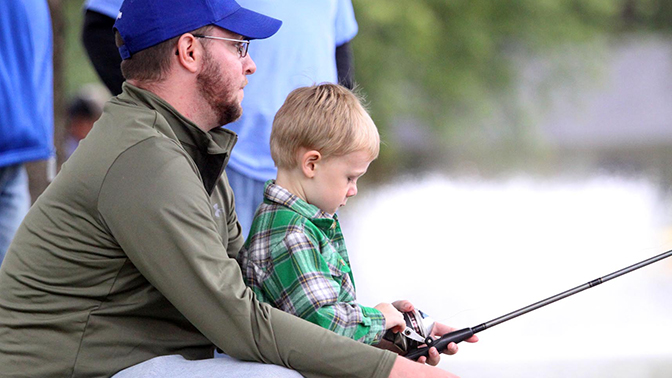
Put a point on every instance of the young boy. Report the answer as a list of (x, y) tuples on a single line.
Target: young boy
[(295, 257)]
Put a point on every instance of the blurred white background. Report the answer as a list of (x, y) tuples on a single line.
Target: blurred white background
[(469, 251)]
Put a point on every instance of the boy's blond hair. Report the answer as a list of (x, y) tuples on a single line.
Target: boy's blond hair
[(328, 118)]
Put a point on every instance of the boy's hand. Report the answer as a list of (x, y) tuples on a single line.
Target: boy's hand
[(393, 318)]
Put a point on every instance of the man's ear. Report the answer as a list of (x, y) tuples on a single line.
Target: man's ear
[(189, 52), (309, 161)]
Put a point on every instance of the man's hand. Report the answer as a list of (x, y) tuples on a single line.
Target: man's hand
[(438, 331), (405, 368), (403, 305)]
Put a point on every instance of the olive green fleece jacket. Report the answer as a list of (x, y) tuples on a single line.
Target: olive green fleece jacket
[(129, 254)]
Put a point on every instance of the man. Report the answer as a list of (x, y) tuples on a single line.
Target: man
[(26, 105), (126, 260), (324, 29)]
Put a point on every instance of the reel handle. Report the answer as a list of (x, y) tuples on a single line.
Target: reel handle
[(442, 343)]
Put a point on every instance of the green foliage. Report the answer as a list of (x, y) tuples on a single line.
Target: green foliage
[(78, 68), (429, 58), (648, 14), (447, 64)]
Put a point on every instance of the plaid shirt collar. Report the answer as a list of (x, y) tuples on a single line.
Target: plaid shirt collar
[(274, 193)]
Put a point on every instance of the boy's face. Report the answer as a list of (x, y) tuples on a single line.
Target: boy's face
[(335, 180)]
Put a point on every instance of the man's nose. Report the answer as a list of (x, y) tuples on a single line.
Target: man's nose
[(249, 66)]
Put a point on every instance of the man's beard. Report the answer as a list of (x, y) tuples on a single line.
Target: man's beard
[(214, 90)]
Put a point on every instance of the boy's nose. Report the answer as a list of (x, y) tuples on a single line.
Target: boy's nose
[(352, 191)]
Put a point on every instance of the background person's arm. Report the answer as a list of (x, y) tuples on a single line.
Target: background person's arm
[(98, 40), (345, 65)]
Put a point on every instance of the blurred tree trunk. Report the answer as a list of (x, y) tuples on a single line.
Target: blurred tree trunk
[(41, 172)]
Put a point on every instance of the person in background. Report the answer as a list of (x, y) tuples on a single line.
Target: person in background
[(125, 266), (312, 47), (26, 105), (83, 110), (98, 40)]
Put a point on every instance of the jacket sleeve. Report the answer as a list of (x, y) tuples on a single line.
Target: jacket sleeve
[(155, 206), (315, 285)]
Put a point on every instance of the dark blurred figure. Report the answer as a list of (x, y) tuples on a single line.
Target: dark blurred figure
[(26, 105), (98, 39), (83, 110)]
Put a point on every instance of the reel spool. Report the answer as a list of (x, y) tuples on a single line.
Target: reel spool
[(416, 320)]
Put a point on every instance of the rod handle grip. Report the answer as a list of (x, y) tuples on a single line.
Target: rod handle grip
[(441, 343)]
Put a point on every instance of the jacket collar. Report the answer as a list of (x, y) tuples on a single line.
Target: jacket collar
[(210, 151)]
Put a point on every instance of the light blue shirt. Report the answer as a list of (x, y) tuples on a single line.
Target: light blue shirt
[(301, 53), (106, 7)]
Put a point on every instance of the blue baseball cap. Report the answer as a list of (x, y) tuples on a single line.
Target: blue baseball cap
[(145, 23)]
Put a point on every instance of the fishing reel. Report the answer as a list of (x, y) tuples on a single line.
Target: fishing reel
[(418, 332)]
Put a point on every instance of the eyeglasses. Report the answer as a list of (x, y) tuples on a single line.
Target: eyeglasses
[(242, 45)]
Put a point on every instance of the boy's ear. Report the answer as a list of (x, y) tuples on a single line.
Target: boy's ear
[(309, 161)]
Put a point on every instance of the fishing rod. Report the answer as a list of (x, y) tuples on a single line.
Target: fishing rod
[(457, 336)]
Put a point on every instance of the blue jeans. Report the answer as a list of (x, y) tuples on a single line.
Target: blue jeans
[(176, 366), (14, 202), (248, 193)]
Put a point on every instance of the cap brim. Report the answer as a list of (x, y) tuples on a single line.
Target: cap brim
[(250, 24)]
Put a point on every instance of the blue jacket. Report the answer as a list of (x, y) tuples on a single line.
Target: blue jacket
[(26, 82)]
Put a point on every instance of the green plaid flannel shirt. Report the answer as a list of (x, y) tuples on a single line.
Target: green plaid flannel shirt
[(295, 259)]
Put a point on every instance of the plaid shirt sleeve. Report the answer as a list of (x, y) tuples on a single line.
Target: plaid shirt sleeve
[(316, 285)]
